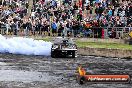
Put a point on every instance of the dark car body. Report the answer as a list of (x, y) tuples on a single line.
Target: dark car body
[(63, 47)]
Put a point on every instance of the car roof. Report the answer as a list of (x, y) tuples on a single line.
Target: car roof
[(59, 40)]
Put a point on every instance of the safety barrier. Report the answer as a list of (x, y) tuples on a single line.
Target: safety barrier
[(92, 32)]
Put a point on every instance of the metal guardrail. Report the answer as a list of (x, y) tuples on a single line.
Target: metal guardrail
[(96, 32)]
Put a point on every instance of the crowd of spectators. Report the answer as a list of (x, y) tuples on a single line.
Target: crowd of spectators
[(62, 17)]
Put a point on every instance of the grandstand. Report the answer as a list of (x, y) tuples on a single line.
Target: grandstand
[(75, 18)]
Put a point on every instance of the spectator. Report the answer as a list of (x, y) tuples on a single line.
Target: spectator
[(68, 16), (54, 28)]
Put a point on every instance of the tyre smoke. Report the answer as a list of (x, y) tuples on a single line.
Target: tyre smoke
[(26, 46)]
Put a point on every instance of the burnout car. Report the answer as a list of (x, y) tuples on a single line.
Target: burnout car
[(63, 47)]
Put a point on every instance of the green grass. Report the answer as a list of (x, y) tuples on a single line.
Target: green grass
[(104, 45), (83, 44), (45, 39)]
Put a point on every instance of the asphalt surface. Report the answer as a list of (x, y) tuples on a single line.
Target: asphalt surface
[(20, 71)]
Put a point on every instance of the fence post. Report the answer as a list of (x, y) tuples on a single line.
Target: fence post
[(106, 32), (116, 32), (123, 32), (93, 32)]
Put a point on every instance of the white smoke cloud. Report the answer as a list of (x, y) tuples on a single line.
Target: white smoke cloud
[(26, 46)]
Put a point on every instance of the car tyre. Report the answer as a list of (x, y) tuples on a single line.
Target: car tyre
[(53, 54), (73, 54)]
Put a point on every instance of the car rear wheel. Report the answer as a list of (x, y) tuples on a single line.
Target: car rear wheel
[(53, 54), (73, 54)]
